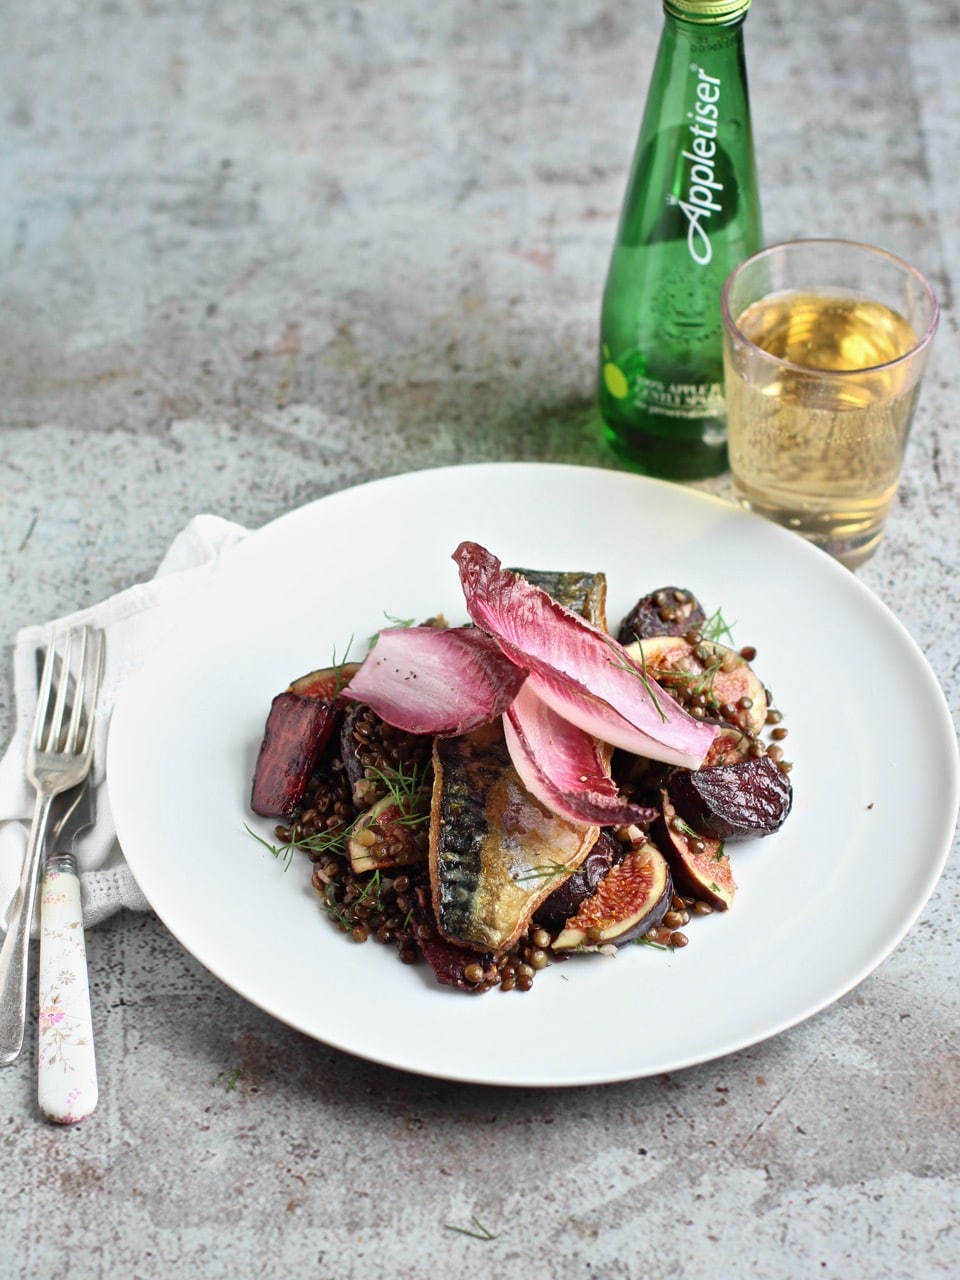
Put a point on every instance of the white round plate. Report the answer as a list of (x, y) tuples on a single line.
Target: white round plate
[(875, 775)]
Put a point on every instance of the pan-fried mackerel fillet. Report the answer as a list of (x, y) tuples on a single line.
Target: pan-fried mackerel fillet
[(495, 851)]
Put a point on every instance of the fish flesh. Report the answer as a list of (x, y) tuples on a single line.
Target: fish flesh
[(496, 852)]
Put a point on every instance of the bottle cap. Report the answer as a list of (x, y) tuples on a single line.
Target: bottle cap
[(707, 11)]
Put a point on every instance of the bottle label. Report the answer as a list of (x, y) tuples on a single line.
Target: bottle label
[(679, 399), (663, 397), (703, 187)]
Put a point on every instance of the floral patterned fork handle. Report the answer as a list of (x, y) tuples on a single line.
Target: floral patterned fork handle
[(67, 1070)]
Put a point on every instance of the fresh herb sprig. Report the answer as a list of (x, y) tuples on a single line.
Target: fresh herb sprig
[(699, 682), (546, 871), (372, 892), (393, 622), (717, 629), (678, 824), (641, 674), (319, 842), (684, 828), (404, 786), (405, 790), (657, 946), (477, 1230), (282, 852), (338, 665)]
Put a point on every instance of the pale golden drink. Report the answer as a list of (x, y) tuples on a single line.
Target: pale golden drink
[(826, 465), (821, 385)]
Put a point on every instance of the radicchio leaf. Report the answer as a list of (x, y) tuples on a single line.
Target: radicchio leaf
[(564, 767), (440, 680), (585, 675)]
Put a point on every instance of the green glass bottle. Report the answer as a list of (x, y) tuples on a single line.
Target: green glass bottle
[(691, 213)]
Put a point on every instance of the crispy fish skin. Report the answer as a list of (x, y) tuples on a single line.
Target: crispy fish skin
[(583, 593), (496, 853)]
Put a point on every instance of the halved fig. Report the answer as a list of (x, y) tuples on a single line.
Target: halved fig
[(297, 730), (566, 900), (730, 746), (732, 802), (325, 682), (699, 864), (631, 899), (669, 611), (709, 675), (389, 834)]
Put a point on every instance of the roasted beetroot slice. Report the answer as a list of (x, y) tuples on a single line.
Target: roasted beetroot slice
[(732, 802), (449, 963), (670, 611), (699, 864), (297, 730), (565, 901)]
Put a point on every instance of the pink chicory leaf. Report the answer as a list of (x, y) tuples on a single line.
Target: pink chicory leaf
[(583, 673), (564, 767), (440, 680)]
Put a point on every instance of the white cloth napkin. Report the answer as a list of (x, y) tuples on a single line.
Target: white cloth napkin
[(136, 623)]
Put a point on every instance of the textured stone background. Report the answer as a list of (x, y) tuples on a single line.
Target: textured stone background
[(252, 254)]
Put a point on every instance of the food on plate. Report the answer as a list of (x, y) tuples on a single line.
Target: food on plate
[(566, 898), (632, 898), (495, 849), (701, 865), (496, 796), (669, 611), (414, 678), (723, 679), (732, 801)]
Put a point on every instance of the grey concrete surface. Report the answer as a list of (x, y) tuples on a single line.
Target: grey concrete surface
[(254, 253)]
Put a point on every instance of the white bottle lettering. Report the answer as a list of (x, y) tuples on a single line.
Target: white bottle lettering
[(703, 190)]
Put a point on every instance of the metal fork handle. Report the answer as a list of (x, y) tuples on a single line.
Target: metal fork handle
[(16, 945)]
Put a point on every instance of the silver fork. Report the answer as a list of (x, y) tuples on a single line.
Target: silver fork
[(58, 757)]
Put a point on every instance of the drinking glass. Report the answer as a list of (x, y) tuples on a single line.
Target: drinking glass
[(825, 343)]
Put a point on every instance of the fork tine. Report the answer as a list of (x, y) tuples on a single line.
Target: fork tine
[(56, 724), (72, 740), (92, 685), (43, 696), (69, 676)]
